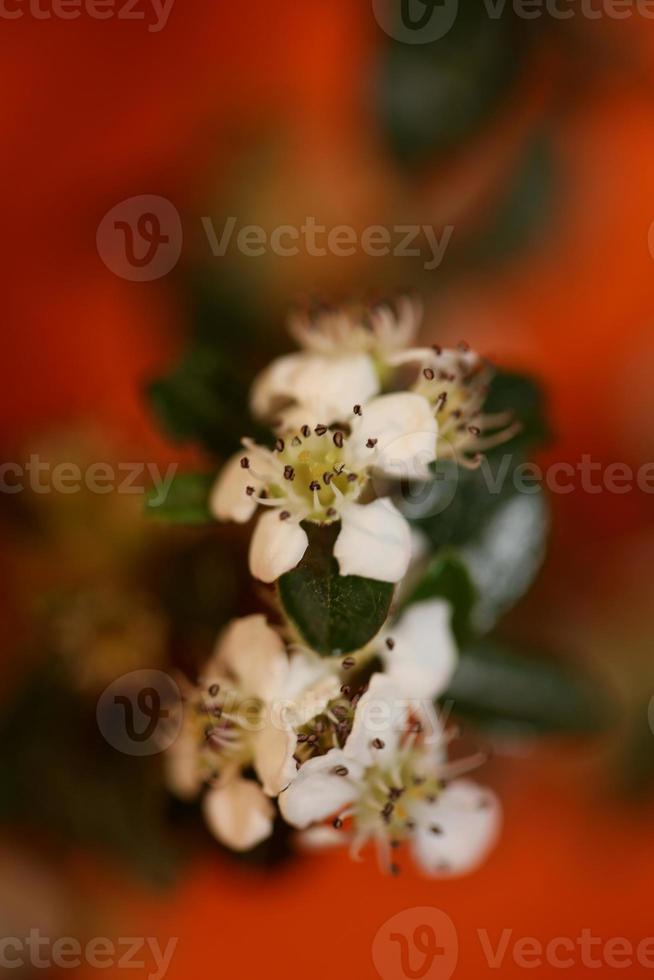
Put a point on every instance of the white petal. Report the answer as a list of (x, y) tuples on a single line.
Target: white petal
[(228, 500), (406, 431), (317, 791), (374, 541), (467, 819), (276, 546), (310, 683), (273, 749), (321, 837), (383, 714), (424, 653), (254, 654), (324, 388), (239, 814)]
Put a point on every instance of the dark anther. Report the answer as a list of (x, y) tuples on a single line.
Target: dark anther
[(351, 477), (371, 443), (357, 410), (437, 349), (378, 743), (429, 374), (331, 512), (327, 478), (337, 823), (213, 690), (306, 431), (473, 430), (314, 485), (279, 445), (387, 812), (338, 439), (284, 515), (289, 473), (390, 643), (245, 463), (435, 829), (320, 430), (340, 770), (348, 662), (249, 491), (302, 737)]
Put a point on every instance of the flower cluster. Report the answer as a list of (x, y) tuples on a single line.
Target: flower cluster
[(349, 745), (355, 406)]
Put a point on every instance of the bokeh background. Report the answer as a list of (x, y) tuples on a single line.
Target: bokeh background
[(535, 141)]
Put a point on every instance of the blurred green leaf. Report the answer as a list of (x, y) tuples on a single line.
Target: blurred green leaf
[(447, 578), (523, 398), (186, 501), (512, 692), (204, 400), (434, 96), (523, 207), (334, 614), (505, 558)]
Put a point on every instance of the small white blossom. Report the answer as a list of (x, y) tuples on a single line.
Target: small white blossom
[(343, 362), (244, 713), (323, 475), (455, 382), (391, 784)]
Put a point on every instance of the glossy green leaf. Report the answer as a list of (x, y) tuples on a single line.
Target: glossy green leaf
[(333, 614)]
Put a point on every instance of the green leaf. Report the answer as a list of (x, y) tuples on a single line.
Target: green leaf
[(511, 692), (447, 577), (186, 500), (505, 558), (434, 96), (523, 398), (204, 399), (334, 614)]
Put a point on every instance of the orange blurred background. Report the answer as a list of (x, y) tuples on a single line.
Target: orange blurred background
[(268, 108)]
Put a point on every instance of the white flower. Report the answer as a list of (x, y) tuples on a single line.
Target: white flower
[(390, 784), (419, 652), (321, 476), (244, 714), (455, 383), (343, 362)]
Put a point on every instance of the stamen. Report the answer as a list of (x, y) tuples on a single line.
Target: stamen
[(339, 439), (390, 643), (371, 443), (245, 463), (280, 445), (357, 410), (320, 430), (289, 473), (340, 771)]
